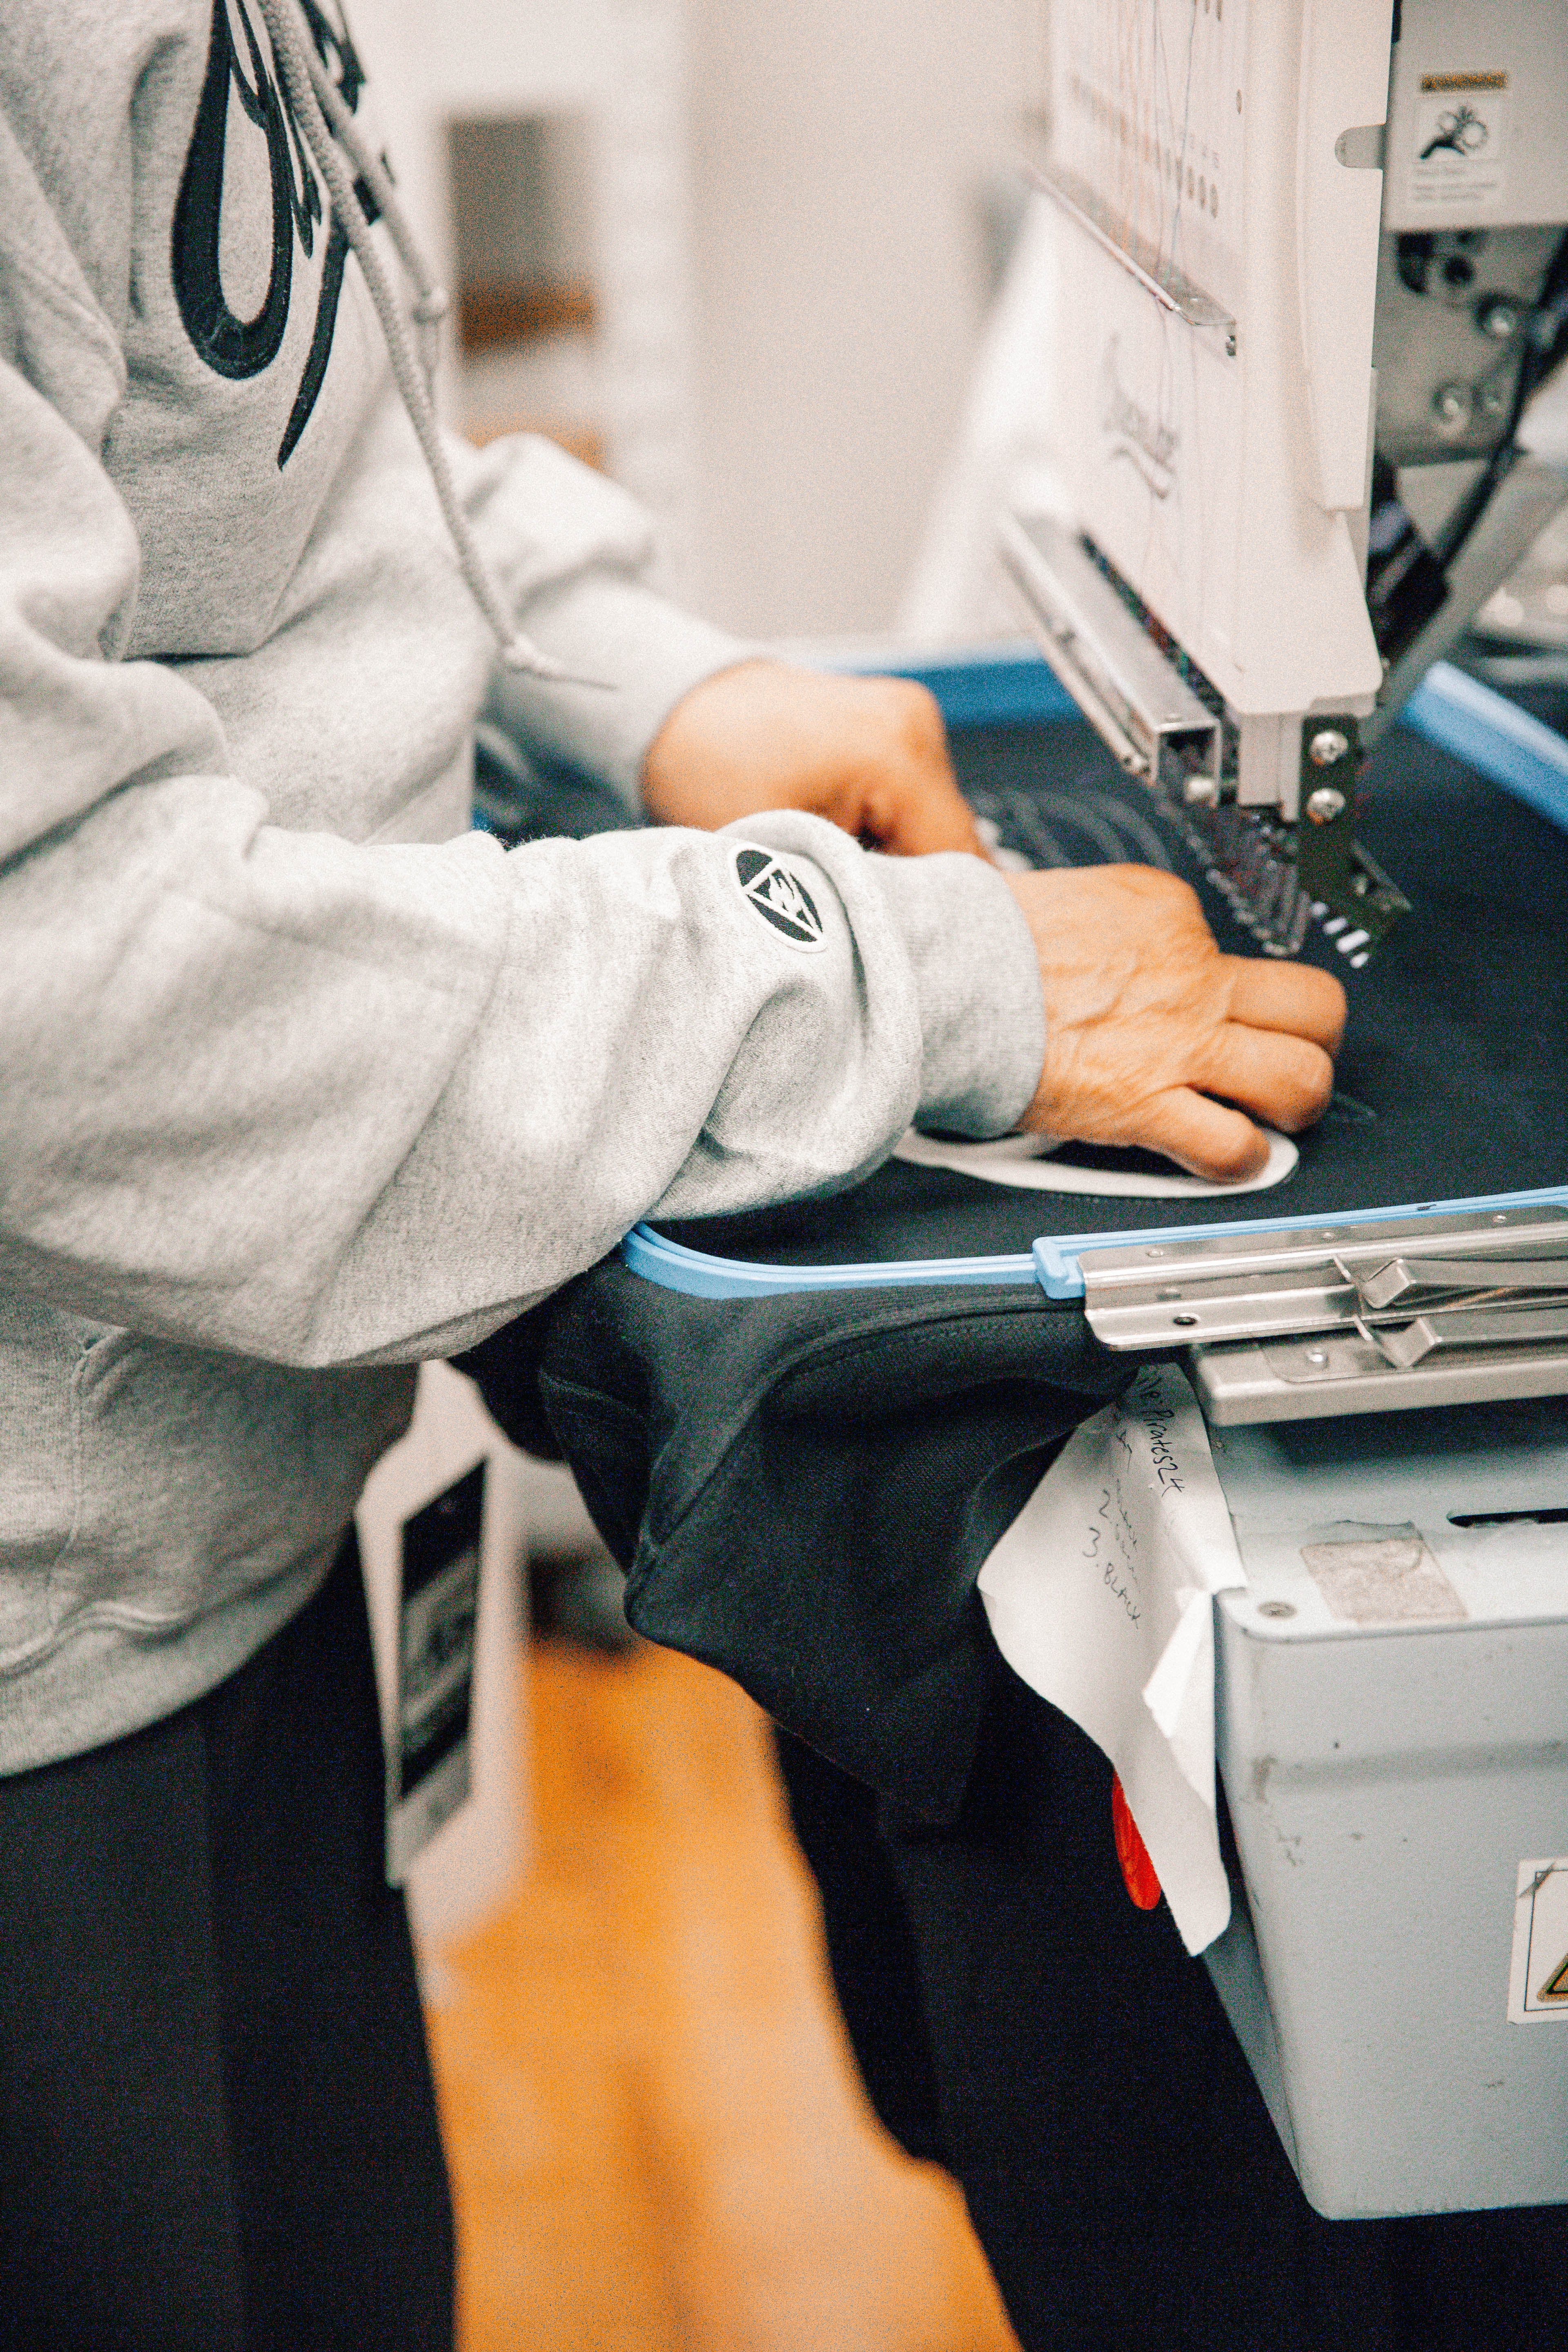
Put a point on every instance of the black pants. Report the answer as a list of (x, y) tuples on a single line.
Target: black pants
[(1016, 2018), (217, 2132)]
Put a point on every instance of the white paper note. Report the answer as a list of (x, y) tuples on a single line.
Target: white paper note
[(1101, 1597)]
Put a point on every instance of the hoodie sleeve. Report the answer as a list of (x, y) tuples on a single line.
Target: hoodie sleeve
[(574, 553), (268, 1090)]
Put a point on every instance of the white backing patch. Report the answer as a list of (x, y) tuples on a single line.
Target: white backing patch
[(1023, 1161)]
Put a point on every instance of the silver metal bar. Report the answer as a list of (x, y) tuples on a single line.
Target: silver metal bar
[(1267, 1285), (1134, 253), (1059, 655), (1542, 1226), (1150, 717), (1405, 1282), (1246, 1384), (1485, 1326), (1196, 1314)]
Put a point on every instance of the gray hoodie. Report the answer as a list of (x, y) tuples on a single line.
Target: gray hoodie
[(301, 1080)]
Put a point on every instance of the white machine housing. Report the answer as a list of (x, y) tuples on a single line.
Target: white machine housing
[(1229, 183), (1222, 466)]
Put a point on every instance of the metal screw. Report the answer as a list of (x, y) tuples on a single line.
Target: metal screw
[(1497, 317), (1329, 744), (1183, 1322), (1167, 1290), (1277, 1609), (1325, 804), (1500, 1217), (1316, 1356), (1154, 1252), (1452, 404)]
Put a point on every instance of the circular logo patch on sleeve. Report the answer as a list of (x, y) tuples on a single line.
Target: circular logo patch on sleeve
[(781, 898)]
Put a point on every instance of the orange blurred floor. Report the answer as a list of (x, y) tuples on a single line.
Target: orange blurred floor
[(656, 2137)]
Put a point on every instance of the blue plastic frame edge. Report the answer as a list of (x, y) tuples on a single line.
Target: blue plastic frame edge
[(676, 1267), (1053, 1261), (980, 686), (1485, 730)]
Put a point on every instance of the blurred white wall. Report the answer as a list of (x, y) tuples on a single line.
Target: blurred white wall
[(838, 156), (617, 68), (825, 190)]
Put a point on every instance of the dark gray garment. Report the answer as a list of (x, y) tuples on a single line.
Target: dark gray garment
[(217, 2130)]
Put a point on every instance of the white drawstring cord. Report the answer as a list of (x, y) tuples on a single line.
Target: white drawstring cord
[(430, 304), (292, 49)]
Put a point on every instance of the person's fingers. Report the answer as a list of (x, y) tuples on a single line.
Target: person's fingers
[(1278, 1077), (1153, 882), (1288, 996), (1202, 1137), (917, 814)]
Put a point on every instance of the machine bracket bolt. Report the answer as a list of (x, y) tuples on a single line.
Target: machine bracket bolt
[(1326, 803), (1329, 744)]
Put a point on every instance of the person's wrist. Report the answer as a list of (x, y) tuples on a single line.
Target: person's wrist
[(690, 769), (977, 977)]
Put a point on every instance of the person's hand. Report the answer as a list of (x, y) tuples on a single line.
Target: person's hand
[(869, 753), (1146, 1024)]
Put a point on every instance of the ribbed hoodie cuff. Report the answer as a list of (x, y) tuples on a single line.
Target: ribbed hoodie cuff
[(983, 1020)]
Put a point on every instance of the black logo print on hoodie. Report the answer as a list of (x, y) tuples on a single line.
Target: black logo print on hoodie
[(242, 348)]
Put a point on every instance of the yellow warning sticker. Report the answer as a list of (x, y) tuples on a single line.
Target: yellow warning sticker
[(1460, 150), (1537, 1978)]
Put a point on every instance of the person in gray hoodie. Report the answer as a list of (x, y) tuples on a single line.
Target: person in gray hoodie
[(302, 1081)]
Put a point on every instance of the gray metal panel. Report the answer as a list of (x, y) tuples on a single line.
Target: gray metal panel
[(1382, 1892), (1385, 1781)]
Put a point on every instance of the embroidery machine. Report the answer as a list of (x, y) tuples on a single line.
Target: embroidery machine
[(1319, 248), (1322, 244)]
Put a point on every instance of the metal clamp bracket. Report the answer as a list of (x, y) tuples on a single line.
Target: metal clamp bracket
[(1147, 716), (1451, 1304)]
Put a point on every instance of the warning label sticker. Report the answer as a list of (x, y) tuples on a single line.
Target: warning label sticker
[(1461, 139), (1538, 1979)]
